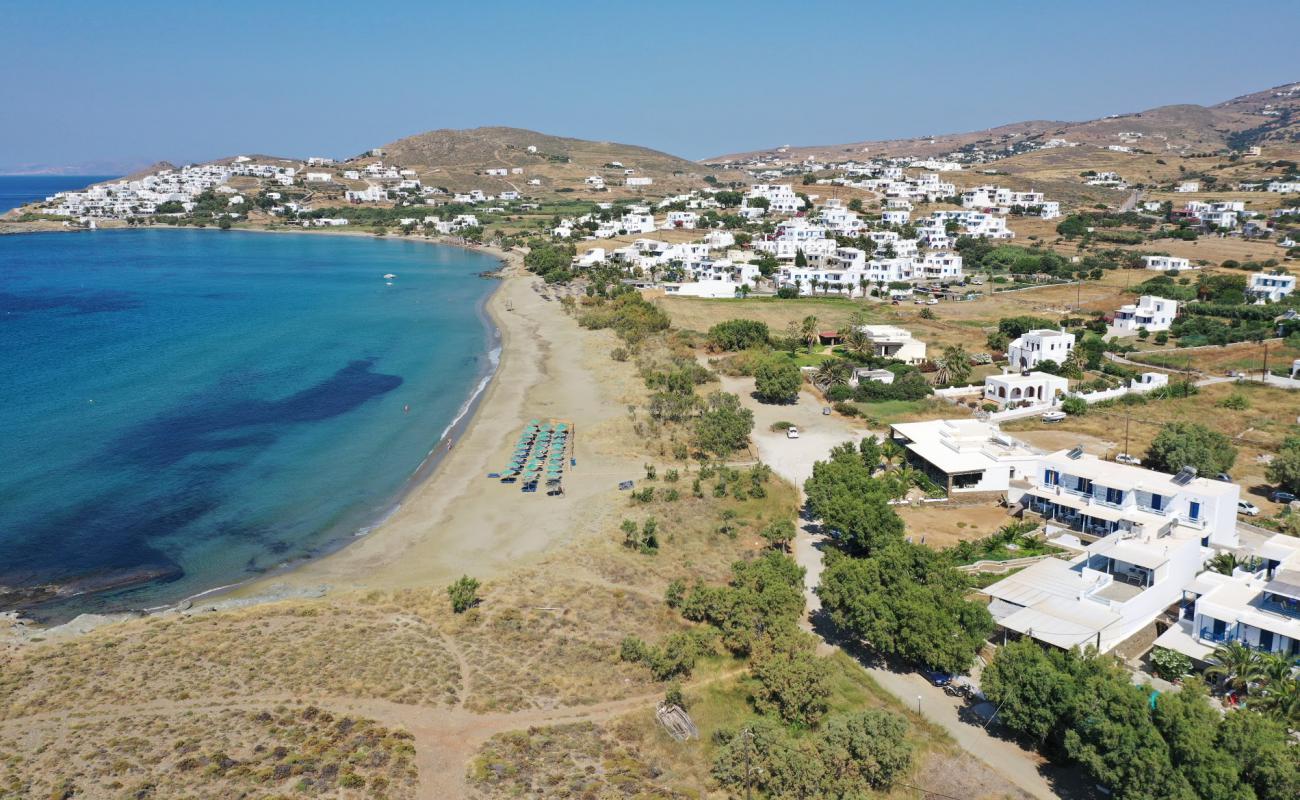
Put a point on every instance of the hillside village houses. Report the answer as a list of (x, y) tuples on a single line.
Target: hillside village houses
[(1039, 345), (1167, 263), (1006, 200), (1024, 388), (891, 341), (1152, 313), (1270, 287)]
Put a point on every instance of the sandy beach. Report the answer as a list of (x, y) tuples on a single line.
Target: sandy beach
[(457, 521)]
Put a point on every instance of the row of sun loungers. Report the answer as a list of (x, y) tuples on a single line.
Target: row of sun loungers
[(539, 456)]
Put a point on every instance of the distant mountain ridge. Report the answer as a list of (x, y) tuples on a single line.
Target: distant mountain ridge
[(1270, 115)]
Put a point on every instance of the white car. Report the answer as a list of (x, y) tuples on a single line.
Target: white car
[(1248, 508), (792, 432), (1125, 458), (1053, 416)]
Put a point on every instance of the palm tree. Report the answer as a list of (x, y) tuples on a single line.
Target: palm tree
[(809, 331), (832, 372), (856, 341), (943, 372), (1223, 563), (1281, 697), (957, 363), (891, 451), (1235, 665), (863, 283)]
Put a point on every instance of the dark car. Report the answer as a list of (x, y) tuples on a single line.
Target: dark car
[(937, 678), (1280, 496), (1223, 476)]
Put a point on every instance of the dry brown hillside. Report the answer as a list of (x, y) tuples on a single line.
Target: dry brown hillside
[(1271, 115), (458, 159)]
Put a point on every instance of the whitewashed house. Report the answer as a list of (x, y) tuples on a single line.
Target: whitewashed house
[(1141, 536), (1270, 287), (1039, 345), (1166, 263), (1153, 313), (1025, 388)]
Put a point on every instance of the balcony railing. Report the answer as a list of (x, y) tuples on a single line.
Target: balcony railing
[(1209, 635)]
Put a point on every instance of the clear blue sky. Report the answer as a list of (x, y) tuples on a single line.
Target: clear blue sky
[(132, 81)]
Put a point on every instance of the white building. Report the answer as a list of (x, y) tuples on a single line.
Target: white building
[(965, 455), (1188, 186), (1142, 537), (1032, 388), (1037, 346), (1166, 263), (1257, 605), (1270, 287), (1150, 312), (638, 181), (891, 341), (781, 197)]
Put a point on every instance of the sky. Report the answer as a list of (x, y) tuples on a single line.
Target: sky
[(135, 82)]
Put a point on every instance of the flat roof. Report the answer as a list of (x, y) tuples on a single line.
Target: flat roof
[(1063, 623), (1110, 473)]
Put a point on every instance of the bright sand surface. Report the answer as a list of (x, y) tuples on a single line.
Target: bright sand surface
[(457, 521)]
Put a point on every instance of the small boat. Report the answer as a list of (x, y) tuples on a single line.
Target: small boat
[(388, 276)]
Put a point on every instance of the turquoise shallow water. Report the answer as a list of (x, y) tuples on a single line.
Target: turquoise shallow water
[(187, 409)]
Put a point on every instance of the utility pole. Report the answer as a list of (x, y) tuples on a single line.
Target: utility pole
[(749, 742), (1128, 416), (1264, 377)]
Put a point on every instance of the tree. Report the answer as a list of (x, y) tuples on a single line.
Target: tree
[(1188, 724), (870, 747), (1234, 665), (958, 364), (833, 372), (793, 681), (1284, 470), (738, 334), (1074, 406), (1190, 444), (1032, 688), (777, 381), (724, 425), (808, 329), (1170, 664), (779, 533), (1111, 734), (764, 599), (1269, 759), (908, 603), (463, 594)]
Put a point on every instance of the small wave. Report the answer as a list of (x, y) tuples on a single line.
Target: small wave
[(494, 359)]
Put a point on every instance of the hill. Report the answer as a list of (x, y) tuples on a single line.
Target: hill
[(459, 159), (1271, 115)]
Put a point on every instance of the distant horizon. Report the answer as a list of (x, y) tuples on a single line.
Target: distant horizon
[(692, 80)]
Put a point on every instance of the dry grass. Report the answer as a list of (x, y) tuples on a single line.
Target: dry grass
[(298, 649), (940, 526), (565, 761), (210, 754)]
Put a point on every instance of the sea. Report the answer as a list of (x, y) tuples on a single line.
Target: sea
[(186, 409)]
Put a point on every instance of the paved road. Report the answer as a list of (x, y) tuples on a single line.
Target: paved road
[(793, 460)]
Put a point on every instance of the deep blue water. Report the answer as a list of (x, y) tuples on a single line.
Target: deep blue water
[(200, 406), (17, 190)]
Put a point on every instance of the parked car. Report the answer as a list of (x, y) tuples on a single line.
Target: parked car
[(792, 432), (1053, 416), (933, 301), (1248, 508), (1223, 476), (826, 411), (1279, 496), (936, 677), (1125, 458)]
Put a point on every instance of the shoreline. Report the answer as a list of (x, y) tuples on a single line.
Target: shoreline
[(249, 590)]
